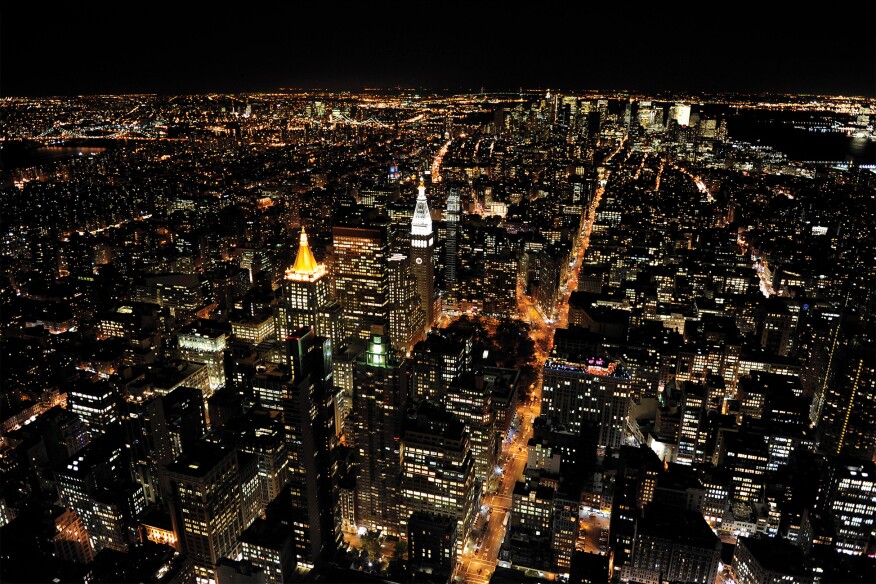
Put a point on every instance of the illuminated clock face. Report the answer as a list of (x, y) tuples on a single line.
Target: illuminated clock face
[(419, 260)]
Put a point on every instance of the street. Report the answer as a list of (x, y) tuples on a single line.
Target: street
[(478, 560)]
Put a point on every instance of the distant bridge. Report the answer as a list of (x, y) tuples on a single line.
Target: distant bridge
[(337, 117), (845, 163), (110, 132)]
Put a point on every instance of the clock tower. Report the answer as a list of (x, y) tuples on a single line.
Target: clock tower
[(422, 248)]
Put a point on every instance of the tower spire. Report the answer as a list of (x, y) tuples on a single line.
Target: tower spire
[(305, 264), (421, 224)]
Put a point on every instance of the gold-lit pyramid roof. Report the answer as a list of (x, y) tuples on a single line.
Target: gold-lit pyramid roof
[(305, 266)]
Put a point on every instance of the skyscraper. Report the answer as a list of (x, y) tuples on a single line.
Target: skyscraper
[(376, 416), (848, 494), (205, 500), (407, 321), (595, 391), (469, 398), (309, 420), (361, 277), (848, 413), (307, 300), (435, 362), (422, 248), (452, 215), (437, 468)]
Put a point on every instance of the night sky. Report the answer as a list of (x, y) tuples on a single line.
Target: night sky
[(755, 46)]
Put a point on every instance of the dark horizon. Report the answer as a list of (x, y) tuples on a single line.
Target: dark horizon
[(750, 50)]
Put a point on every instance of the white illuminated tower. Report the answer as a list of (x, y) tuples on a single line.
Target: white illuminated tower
[(422, 247)]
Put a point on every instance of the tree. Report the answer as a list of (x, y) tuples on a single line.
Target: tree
[(372, 542)]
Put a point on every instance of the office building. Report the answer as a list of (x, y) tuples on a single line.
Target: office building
[(309, 421), (437, 468), (307, 299), (435, 362), (673, 545), (593, 391), (361, 276), (377, 416), (407, 321), (205, 501)]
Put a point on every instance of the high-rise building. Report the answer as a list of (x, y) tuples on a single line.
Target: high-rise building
[(422, 250), (307, 299), (97, 404), (63, 433), (746, 456), (200, 344), (674, 545), (96, 482), (589, 392), (309, 420), (469, 398), (362, 276), (263, 437), (184, 416), (452, 215), (431, 540), (435, 362), (205, 500), (500, 283), (848, 495), (377, 415), (691, 434), (437, 468), (342, 376), (680, 114), (268, 545), (769, 561), (848, 414), (407, 320), (531, 525), (71, 541), (150, 444)]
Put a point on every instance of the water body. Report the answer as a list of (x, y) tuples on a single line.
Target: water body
[(776, 129), (17, 154)]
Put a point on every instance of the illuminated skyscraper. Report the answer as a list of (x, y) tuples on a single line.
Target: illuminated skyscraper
[(435, 362), (307, 300), (198, 344), (680, 113), (589, 392), (437, 468), (376, 416), (848, 493), (309, 420), (848, 415), (452, 216), (407, 321), (422, 248), (205, 499), (362, 277), (469, 397)]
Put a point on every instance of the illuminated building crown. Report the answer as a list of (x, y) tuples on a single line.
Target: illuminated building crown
[(305, 266), (422, 221)]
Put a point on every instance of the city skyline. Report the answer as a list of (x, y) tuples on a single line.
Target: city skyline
[(426, 336)]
